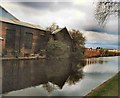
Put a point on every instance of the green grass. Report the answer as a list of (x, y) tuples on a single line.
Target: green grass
[(109, 88)]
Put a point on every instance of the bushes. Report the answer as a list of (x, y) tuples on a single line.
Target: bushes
[(57, 49), (78, 54)]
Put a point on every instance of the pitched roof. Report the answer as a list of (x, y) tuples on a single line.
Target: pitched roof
[(16, 22), (7, 17), (60, 29), (6, 14)]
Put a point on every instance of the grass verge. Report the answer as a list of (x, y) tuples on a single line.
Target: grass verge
[(108, 88)]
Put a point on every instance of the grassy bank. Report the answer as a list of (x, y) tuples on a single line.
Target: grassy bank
[(108, 88)]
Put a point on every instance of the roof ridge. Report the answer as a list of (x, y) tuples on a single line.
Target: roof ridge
[(12, 21)]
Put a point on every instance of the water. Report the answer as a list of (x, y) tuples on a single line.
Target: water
[(56, 77)]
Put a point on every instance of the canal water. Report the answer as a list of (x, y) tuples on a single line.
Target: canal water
[(56, 77)]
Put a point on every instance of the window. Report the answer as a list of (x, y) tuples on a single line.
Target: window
[(42, 41), (10, 39), (28, 40)]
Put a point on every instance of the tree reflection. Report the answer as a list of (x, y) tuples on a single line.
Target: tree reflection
[(51, 73), (102, 61), (70, 71), (49, 87), (76, 73), (75, 77)]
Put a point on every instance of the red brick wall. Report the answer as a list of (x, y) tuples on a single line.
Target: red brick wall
[(19, 38), (92, 53)]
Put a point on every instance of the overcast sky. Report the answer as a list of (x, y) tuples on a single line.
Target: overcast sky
[(74, 14)]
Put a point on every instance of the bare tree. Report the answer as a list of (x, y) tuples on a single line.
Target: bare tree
[(105, 8), (52, 27)]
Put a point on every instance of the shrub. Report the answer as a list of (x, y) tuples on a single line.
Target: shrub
[(57, 49)]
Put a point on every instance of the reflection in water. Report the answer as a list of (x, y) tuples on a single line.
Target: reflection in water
[(57, 70), (76, 73), (51, 73), (49, 87), (19, 74), (95, 60)]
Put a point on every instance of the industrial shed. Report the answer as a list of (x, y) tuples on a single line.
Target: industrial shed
[(22, 38)]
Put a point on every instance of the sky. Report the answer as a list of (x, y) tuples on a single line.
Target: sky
[(74, 14)]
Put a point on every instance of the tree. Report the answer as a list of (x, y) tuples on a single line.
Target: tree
[(57, 49), (106, 8), (53, 27), (78, 44)]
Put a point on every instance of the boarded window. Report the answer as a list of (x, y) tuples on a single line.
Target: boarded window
[(28, 40), (42, 41), (10, 39)]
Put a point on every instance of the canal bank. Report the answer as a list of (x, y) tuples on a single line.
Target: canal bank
[(108, 88), (42, 57), (23, 58)]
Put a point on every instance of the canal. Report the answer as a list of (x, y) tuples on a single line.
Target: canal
[(56, 77)]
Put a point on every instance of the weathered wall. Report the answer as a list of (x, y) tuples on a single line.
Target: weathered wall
[(64, 36), (14, 40), (19, 39)]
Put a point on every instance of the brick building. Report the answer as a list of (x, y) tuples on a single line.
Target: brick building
[(21, 38)]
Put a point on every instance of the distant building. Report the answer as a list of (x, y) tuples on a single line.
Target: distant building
[(113, 50), (89, 52)]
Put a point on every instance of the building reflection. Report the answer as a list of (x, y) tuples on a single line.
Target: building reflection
[(20, 74), (94, 61)]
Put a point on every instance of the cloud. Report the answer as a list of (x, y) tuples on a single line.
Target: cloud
[(76, 1), (52, 6), (63, 14), (95, 39)]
